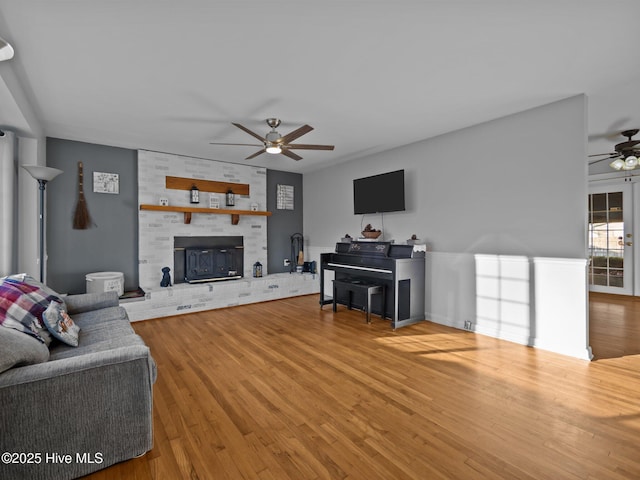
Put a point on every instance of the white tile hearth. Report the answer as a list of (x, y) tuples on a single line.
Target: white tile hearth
[(187, 298)]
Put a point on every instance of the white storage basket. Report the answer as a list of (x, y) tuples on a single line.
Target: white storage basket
[(105, 282)]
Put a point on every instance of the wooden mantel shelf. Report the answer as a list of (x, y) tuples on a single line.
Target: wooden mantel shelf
[(235, 214)]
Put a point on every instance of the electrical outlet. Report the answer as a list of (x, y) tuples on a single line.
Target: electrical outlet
[(287, 262), (467, 324)]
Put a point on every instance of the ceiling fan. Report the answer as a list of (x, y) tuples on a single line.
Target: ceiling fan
[(626, 153), (275, 143)]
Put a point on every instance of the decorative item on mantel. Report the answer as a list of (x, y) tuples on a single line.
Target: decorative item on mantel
[(214, 201), (166, 277), (195, 194), (370, 232), (230, 198)]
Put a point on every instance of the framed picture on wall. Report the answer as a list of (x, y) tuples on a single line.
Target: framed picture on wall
[(284, 197), (106, 183)]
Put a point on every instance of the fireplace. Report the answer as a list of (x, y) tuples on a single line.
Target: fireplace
[(207, 259)]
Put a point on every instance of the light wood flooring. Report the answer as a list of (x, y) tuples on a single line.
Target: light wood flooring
[(283, 390)]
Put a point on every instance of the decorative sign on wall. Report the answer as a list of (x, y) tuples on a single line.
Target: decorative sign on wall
[(106, 182), (284, 197)]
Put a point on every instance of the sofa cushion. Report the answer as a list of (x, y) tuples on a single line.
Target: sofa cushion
[(98, 332), (18, 349), (100, 317), (85, 302), (22, 302), (60, 324)]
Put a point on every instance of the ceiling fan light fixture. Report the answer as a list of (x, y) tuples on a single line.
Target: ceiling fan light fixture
[(6, 50), (631, 162), (617, 164), (273, 149)]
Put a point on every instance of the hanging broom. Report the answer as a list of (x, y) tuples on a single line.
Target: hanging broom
[(81, 219)]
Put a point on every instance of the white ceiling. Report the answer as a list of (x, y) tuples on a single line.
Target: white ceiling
[(367, 75)]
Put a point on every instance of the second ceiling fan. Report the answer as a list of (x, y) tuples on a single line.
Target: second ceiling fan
[(275, 143), (625, 156)]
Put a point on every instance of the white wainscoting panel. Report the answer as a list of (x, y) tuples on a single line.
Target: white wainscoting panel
[(541, 302)]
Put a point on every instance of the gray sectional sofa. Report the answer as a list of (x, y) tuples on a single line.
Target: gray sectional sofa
[(83, 409)]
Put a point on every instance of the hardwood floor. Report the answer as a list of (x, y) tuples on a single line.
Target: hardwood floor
[(283, 390), (614, 325)]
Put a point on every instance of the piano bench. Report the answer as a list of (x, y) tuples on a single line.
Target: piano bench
[(371, 289)]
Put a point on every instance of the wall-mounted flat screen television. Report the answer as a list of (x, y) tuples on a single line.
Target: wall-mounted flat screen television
[(379, 193)]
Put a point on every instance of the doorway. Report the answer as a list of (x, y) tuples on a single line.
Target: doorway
[(610, 239)]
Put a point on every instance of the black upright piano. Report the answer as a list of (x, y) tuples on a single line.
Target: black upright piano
[(398, 268)]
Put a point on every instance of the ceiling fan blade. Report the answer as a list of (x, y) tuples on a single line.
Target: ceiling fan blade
[(245, 129), (591, 162), (237, 144), (291, 154), (612, 132), (627, 145), (259, 152), (301, 146), (603, 154), (295, 134)]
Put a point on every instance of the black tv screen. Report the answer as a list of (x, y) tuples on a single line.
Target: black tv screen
[(379, 193)]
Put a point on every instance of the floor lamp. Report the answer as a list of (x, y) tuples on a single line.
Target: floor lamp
[(42, 175)]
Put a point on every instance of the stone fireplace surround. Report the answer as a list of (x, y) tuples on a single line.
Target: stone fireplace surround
[(157, 229)]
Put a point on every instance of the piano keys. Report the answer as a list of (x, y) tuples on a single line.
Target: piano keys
[(398, 268)]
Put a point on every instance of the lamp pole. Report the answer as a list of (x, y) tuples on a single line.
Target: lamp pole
[(42, 175), (42, 184)]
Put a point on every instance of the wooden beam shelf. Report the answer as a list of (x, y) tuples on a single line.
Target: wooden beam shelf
[(188, 211), (182, 183)]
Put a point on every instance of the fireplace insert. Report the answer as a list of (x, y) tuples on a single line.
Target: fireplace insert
[(210, 264), (207, 259)]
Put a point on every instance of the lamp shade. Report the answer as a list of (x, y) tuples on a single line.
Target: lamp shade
[(6, 50), (42, 173)]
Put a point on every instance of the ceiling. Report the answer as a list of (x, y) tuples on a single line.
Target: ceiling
[(367, 75)]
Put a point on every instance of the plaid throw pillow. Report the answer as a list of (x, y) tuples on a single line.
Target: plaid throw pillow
[(23, 300)]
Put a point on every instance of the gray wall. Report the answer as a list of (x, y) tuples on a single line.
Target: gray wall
[(282, 223), (112, 242), (515, 185)]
